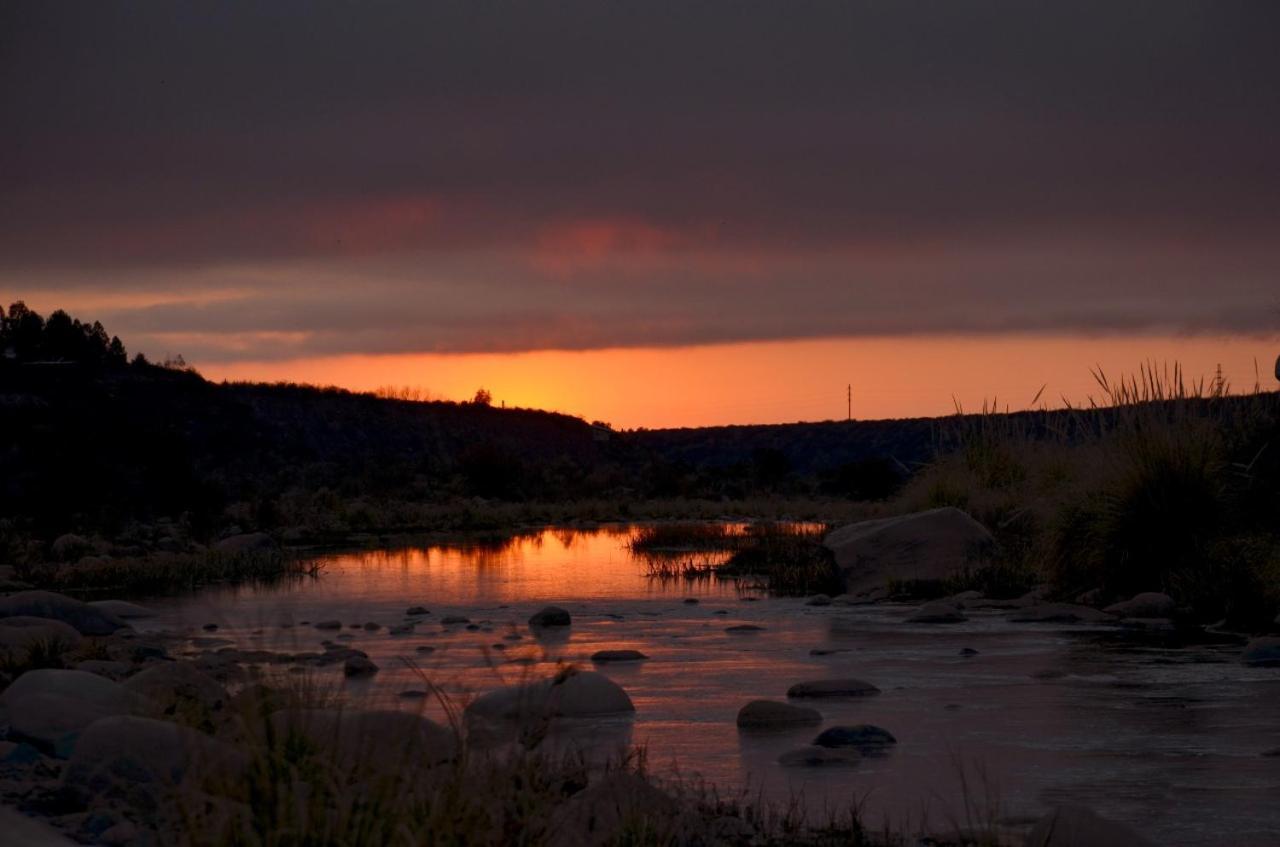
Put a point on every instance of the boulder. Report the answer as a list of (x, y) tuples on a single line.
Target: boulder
[(617, 656), (1149, 604), (832, 688), (138, 761), (105, 667), (122, 610), (862, 737), (615, 807), (328, 624), (937, 612), (1060, 613), (934, 545), (1077, 826), (742, 628), (20, 633), (771, 714), (570, 694), (71, 547), (181, 691), (814, 756), (417, 610), (450, 620), (29, 832), (380, 737), (245, 543), (86, 619), (818, 600), (50, 708), (1262, 653), (550, 616), (358, 666)]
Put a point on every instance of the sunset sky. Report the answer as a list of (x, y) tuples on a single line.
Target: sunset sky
[(654, 213)]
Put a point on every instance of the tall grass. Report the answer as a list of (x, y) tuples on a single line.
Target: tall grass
[(168, 572)]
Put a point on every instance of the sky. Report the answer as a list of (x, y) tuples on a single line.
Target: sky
[(654, 213)]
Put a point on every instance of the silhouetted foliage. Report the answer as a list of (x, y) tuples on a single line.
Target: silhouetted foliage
[(27, 338)]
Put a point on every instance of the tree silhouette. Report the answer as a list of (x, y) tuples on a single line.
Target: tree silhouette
[(483, 397)]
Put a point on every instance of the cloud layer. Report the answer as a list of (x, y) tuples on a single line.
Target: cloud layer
[(273, 180)]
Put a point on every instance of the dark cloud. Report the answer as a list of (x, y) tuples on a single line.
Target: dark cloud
[(465, 175)]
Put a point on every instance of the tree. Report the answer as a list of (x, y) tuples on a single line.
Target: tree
[(483, 397)]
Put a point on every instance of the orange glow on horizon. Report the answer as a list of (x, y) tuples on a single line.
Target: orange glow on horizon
[(784, 381)]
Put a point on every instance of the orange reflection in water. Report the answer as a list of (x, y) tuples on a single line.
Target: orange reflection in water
[(777, 382)]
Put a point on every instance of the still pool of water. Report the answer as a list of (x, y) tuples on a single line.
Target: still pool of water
[(1167, 738)]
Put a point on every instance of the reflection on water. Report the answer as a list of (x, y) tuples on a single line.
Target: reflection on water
[(1169, 739)]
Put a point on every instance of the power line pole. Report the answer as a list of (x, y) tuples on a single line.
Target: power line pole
[(849, 398)]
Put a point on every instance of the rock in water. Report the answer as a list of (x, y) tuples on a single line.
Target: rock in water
[(931, 546), (937, 613), (22, 633), (770, 714), (832, 688), (1262, 653), (616, 656), (818, 600), (358, 666), (814, 756), (87, 619), (862, 737), (1149, 604), (550, 616), (121, 609), (1060, 613), (572, 694), (1077, 826)]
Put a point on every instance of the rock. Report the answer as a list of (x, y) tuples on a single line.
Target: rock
[(612, 809), (210, 627), (818, 600), (1149, 604), (828, 651), (379, 738), (937, 613), (814, 756), (862, 736), (417, 610), (968, 651), (741, 628), (424, 648), (832, 688), (1060, 613), (181, 691), (139, 761), (358, 666), (401, 629), (50, 708), (449, 620), (1148, 624), (328, 625), (1262, 653), (934, 545), (105, 667), (1092, 597), (71, 547), (20, 633), (1273, 753), (122, 610), (570, 694), (86, 619), (964, 598), (616, 655), (771, 714), (550, 616), (372, 626), (1077, 826), (691, 601), (21, 830), (245, 543), (413, 694)]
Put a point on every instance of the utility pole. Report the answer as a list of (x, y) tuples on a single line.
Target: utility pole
[(849, 398)]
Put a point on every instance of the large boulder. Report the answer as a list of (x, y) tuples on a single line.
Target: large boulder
[(1077, 826), (572, 694), (550, 616), (1262, 653), (1060, 613), (181, 691), (122, 610), (71, 547), (245, 543), (20, 633), (86, 619), (50, 708), (770, 714), (931, 546), (937, 612), (138, 761), (863, 737), (373, 738), (1149, 604), (832, 688)]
